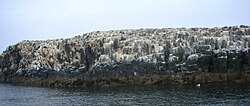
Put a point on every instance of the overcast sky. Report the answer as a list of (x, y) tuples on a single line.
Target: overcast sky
[(50, 19)]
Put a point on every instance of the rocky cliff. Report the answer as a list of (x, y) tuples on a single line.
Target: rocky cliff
[(132, 57)]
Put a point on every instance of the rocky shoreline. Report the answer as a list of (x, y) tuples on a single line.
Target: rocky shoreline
[(167, 56)]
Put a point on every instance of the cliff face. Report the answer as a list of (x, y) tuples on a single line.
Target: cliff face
[(142, 56)]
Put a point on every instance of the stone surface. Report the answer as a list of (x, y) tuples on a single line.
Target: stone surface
[(132, 56)]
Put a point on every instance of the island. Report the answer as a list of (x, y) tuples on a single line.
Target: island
[(166, 56)]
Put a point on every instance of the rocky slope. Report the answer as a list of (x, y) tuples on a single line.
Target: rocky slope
[(132, 57)]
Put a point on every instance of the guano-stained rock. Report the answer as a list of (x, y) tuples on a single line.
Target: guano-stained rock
[(132, 57)]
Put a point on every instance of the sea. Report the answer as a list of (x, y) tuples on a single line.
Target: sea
[(209, 94)]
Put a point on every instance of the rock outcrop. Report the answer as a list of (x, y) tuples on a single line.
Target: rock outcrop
[(132, 57)]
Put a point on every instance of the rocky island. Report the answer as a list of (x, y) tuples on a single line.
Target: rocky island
[(167, 56)]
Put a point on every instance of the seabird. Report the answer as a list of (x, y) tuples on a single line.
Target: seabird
[(198, 85)]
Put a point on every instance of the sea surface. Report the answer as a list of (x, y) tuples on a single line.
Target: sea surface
[(147, 95)]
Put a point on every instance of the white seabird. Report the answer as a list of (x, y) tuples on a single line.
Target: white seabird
[(198, 85)]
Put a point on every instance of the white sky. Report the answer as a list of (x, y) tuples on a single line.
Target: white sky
[(50, 19)]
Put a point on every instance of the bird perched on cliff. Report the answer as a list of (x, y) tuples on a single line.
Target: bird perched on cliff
[(135, 73)]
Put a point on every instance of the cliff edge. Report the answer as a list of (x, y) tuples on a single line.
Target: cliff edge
[(132, 57)]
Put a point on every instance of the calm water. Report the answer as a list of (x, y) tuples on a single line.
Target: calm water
[(187, 95)]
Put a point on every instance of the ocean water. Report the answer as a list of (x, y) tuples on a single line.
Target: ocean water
[(147, 95)]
